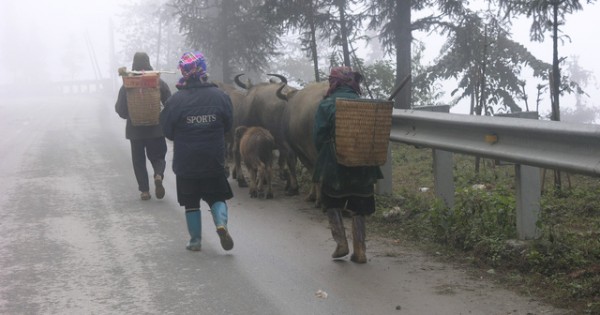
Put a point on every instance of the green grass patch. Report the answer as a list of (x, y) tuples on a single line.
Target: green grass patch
[(561, 267)]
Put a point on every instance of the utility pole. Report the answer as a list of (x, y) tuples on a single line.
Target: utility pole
[(112, 57)]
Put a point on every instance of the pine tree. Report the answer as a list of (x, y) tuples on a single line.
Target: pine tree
[(231, 33)]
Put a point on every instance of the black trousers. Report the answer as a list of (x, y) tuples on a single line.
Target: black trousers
[(156, 150), (357, 204)]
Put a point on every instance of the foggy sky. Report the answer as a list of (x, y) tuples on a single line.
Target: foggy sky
[(47, 35), (48, 38)]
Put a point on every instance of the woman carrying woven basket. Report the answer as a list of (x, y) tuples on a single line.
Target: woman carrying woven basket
[(342, 187), (146, 140)]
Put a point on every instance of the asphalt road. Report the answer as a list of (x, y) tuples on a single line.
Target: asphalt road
[(76, 239)]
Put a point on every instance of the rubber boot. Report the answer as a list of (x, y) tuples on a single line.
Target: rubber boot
[(336, 224), (219, 213), (359, 255), (194, 225)]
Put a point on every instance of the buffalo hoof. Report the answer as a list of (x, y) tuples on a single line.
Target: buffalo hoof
[(283, 175), (242, 183), (359, 258), (269, 196), (253, 194), (291, 192)]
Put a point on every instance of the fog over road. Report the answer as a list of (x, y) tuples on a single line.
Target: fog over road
[(76, 239)]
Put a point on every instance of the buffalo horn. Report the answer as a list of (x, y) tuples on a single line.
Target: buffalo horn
[(280, 94), (282, 78), (237, 81)]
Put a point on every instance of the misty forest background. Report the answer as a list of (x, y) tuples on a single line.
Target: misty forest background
[(478, 63), (463, 52)]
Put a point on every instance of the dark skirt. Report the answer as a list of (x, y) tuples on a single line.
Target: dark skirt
[(356, 204), (190, 191)]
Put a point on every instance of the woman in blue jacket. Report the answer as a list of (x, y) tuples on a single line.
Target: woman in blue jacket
[(196, 119)]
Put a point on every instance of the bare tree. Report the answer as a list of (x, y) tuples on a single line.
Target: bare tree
[(547, 16)]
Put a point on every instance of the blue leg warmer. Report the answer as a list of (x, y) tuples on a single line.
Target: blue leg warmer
[(194, 225), (219, 213)]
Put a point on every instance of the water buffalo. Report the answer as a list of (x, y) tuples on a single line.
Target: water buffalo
[(256, 146), (297, 124), (262, 107), (237, 100)]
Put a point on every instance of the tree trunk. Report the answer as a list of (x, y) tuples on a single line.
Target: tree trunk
[(482, 95), (313, 40), (472, 107), (403, 52), (555, 68), (158, 41), (344, 32), (226, 7), (481, 87), (476, 93), (555, 90)]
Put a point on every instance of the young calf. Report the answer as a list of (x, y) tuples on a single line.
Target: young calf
[(256, 145)]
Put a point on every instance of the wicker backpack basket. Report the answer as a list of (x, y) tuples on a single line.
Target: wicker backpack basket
[(143, 98), (362, 131)]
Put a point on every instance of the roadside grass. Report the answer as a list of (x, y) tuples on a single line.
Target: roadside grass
[(562, 267)]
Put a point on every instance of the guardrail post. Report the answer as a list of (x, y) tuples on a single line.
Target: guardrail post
[(442, 168), (528, 201), (443, 176), (384, 186), (529, 192)]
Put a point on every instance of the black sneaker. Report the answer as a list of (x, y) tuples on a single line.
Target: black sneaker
[(226, 240), (160, 190)]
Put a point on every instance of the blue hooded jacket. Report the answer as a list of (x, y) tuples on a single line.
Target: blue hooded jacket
[(196, 119)]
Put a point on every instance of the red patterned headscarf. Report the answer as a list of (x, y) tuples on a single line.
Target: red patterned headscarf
[(193, 68), (340, 76)]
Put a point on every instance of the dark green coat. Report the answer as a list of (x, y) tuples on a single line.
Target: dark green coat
[(338, 180)]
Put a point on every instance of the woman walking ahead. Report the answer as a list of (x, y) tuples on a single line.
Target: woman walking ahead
[(342, 187), (146, 141), (196, 119)]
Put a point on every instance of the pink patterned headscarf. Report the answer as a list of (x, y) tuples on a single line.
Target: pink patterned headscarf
[(193, 68), (344, 76)]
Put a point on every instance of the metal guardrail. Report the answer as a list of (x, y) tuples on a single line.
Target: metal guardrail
[(548, 144), (76, 87), (83, 86), (527, 143)]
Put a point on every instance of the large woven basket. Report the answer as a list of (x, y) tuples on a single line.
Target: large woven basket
[(143, 99), (362, 131)]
